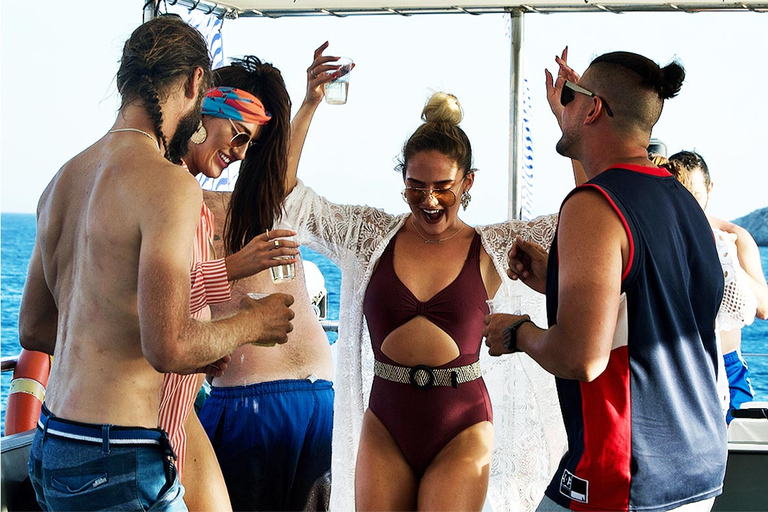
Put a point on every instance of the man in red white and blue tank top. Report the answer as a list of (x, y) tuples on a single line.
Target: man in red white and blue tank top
[(633, 289)]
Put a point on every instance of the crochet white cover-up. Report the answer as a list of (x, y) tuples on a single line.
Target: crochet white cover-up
[(739, 304), (529, 432)]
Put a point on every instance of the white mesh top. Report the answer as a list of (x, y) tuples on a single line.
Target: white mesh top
[(739, 303)]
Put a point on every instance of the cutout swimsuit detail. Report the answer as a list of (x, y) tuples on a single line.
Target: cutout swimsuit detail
[(423, 421)]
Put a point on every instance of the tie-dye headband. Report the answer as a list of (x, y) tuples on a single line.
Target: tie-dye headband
[(236, 104)]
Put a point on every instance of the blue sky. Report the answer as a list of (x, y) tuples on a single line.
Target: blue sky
[(57, 93)]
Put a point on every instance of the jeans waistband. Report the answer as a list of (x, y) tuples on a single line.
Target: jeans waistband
[(103, 435)]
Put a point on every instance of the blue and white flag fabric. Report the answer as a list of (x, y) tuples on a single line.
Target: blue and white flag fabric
[(209, 25), (526, 193)]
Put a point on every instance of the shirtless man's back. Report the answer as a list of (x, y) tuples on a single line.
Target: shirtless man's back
[(95, 223), (108, 289)]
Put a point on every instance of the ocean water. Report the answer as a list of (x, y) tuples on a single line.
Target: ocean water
[(17, 233)]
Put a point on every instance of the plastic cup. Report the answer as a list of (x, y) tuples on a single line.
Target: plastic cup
[(258, 296), (283, 273), (508, 305), (336, 90), (286, 272)]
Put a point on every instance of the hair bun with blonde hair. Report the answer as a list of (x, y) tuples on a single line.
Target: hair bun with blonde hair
[(440, 132), (442, 107)]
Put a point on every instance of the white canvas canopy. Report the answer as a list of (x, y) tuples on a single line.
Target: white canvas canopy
[(234, 9)]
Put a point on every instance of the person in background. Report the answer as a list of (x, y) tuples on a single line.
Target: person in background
[(733, 289), (270, 415), (108, 289), (746, 292), (413, 296), (234, 123), (633, 286)]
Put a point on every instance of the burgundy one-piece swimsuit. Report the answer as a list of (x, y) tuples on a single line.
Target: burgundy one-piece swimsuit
[(423, 421)]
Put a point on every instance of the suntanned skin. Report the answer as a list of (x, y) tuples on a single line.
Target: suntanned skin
[(108, 286), (205, 488), (307, 351)]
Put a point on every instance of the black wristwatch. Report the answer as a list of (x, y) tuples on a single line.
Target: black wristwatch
[(509, 337)]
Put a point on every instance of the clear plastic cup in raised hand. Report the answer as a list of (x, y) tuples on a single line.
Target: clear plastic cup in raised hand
[(336, 91)]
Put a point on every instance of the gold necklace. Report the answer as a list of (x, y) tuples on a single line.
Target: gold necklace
[(439, 240), (137, 131)]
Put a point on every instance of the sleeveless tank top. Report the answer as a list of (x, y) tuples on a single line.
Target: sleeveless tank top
[(458, 309)]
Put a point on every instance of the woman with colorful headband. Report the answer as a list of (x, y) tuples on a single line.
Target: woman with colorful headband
[(234, 119), (270, 415)]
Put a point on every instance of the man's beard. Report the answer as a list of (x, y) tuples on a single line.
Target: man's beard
[(188, 124), (565, 146)]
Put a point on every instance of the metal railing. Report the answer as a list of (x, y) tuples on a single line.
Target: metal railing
[(233, 9)]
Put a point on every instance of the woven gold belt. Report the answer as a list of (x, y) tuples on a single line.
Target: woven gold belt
[(424, 377)]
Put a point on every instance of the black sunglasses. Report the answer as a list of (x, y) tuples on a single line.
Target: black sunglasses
[(567, 95)]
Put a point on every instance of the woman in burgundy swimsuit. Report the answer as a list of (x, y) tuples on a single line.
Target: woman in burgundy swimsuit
[(413, 298), (427, 436)]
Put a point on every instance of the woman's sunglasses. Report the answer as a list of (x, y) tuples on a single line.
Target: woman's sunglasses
[(415, 196), (240, 139), (567, 95)]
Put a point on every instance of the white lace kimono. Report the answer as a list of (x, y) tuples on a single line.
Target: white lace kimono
[(529, 432)]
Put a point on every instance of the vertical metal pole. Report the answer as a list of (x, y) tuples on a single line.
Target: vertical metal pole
[(151, 9), (515, 114)]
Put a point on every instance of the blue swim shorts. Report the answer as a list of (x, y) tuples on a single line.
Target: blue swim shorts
[(273, 442), (738, 381), (82, 466)]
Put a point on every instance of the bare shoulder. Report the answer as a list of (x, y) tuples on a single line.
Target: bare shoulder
[(62, 197), (742, 233), (588, 220), (44, 203), (587, 204), (167, 191)]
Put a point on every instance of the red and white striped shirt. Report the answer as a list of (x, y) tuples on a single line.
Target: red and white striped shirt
[(209, 286)]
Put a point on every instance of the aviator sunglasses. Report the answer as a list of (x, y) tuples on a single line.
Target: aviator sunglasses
[(567, 95), (415, 196), (240, 139)]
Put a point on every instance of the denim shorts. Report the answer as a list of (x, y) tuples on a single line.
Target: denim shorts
[(119, 468)]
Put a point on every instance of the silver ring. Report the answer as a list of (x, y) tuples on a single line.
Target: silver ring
[(277, 244), (312, 72)]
